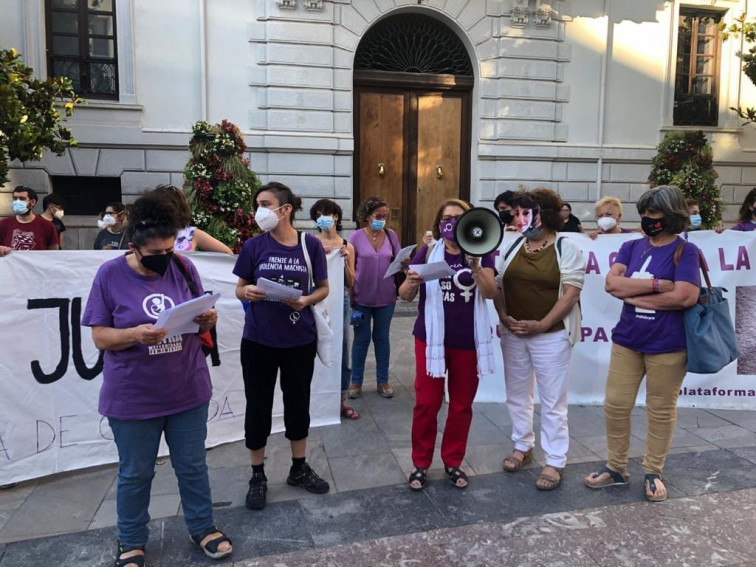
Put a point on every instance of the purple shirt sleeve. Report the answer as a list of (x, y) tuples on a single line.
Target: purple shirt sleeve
[(419, 257), (98, 312), (625, 253), (245, 262)]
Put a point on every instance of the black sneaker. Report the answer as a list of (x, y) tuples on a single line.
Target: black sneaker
[(309, 480), (258, 488)]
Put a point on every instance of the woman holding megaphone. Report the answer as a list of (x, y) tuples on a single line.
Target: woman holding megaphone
[(452, 338)]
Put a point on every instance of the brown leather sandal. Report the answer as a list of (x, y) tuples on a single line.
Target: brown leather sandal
[(517, 463), (547, 481)]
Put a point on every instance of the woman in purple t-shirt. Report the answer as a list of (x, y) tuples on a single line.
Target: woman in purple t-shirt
[(373, 296), (153, 385), (452, 335), (279, 335), (657, 277), (747, 214)]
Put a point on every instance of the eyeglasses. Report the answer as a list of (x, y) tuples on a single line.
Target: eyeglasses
[(380, 216), (447, 218)]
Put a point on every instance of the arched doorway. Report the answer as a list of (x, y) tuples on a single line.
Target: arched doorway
[(413, 83)]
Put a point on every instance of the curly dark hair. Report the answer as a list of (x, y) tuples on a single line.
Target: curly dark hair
[(327, 207), (368, 207), (745, 214), (284, 195), (547, 202), (152, 216), (176, 196)]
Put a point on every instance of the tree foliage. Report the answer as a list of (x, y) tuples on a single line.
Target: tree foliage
[(748, 31), (30, 113), (684, 159), (219, 184)]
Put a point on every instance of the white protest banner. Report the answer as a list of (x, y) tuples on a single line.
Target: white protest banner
[(50, 373), (729, 257)]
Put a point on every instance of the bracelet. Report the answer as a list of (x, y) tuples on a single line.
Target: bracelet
[(656, 284)]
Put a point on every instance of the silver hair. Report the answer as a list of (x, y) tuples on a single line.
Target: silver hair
[(669, 201)]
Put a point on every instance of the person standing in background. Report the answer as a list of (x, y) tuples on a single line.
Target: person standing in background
[(373, 295), (54, 205), (571, 222), (608, 216), (25, 230), (112, 237), (327, 216), (747, 214)]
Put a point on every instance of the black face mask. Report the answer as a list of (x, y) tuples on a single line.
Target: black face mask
[(505, 216), (157, 263), (652, 227)]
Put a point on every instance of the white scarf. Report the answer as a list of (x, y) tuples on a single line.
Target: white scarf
[(435, 359)]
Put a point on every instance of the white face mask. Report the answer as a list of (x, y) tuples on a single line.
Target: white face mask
[(266, 218), (109, 220), (59, 214), (607, 223), (101, 224)]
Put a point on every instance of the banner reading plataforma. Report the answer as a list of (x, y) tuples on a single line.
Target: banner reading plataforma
[(729, 256), (51, 373)]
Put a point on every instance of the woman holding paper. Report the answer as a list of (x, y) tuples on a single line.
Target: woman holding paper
[(452, 336), (279, 335), (153, 384), (540, 275), (375, 246)]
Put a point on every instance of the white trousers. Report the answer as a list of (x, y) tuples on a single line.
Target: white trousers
[(548, 357)]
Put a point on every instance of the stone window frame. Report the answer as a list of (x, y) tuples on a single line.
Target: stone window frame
[(35, 44)]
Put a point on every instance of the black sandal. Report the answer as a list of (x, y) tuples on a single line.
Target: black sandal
[(456, 474), (211, 547), (137, 560), (418, 475), (651, 481)]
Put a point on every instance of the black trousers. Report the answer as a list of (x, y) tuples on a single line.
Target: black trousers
[(260, 367)]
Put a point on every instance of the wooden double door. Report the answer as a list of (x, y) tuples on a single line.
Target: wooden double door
[(412, 147)]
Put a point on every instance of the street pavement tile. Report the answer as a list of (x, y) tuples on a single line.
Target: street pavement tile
[(747, 453), (728, 436), (483, 431), (232, 455), (361, 437), (687, 438), (646, 534), (744, 419), (711, 471), (361, 515), (496, 414), (11, 499), (276, 529), (486, 459), (93, 548), (597, 445), (365, 471), (693, 418), (59, 504), (105, 516)]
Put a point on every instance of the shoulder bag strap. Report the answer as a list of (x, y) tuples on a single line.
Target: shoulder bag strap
[(391, 243), (184, 272), (307, 260)]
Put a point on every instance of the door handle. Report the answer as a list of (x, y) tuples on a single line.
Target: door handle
[(439, 172), (381, 170)]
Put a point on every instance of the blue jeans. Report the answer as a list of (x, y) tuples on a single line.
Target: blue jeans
[(138, 443), (380, 317), (346, 372)]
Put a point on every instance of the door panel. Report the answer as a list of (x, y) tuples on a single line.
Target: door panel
[(439, 129), (381, 130)]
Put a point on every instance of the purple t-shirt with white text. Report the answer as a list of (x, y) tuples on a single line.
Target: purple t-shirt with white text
[(645, 330), (273, 323), (458, 295), (144, 382)]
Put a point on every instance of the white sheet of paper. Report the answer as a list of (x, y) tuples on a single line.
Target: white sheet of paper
[(178, 319), (276, 291), (396, 265), (432, 271)]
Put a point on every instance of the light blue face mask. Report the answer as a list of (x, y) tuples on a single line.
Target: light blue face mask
[(324, 222), (377, 225), (695, 221), (20, 207)]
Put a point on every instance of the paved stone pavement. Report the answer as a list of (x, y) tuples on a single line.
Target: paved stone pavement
[(370, 518)]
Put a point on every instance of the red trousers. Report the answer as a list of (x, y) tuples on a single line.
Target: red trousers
[(462, 368)]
